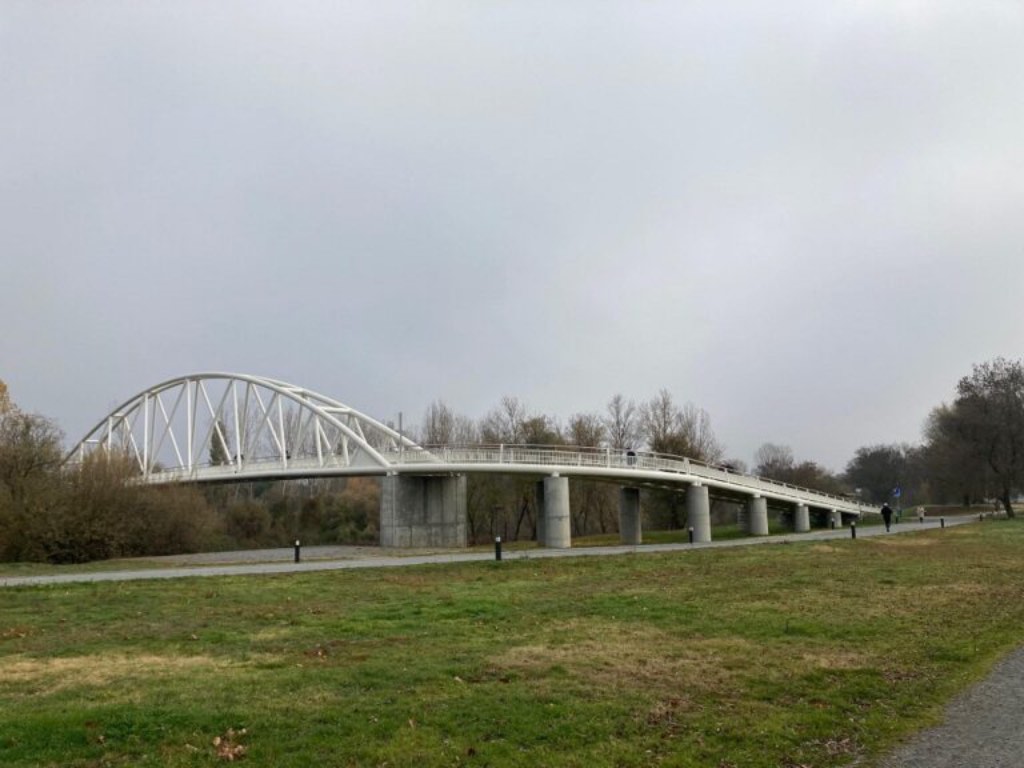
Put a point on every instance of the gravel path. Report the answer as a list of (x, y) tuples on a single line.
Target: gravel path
[(982, 727)]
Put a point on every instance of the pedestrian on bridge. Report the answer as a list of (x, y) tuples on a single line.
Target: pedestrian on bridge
[(887, 516)]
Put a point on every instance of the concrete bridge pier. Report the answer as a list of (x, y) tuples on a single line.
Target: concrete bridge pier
[(698, 512), (837, 518), (629, 516), (801, 519), (757, 516), (557, 520), (423, 511)]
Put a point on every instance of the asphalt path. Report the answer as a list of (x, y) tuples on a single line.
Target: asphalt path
[(279, 561)]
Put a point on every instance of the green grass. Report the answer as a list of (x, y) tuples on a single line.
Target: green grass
[(805, 654)]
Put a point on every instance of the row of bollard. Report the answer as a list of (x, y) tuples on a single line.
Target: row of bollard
[(853, 535)]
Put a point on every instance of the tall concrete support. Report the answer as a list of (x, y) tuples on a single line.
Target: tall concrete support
[(423, 511), (539, 499), (629, 516), (801, 519), (837, 518), (698, 512), (557, 522), (757, 516)]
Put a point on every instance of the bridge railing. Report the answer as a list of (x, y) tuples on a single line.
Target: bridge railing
[(539, 456), (608, 458)]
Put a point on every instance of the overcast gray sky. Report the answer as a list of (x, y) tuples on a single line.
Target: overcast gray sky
[(805, 217)]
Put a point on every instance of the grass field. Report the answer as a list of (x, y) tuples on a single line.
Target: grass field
[(797, 655)]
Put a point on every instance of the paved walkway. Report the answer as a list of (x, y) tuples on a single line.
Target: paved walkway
[(281, 560)]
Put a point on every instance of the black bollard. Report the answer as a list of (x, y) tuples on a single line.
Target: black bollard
[(691, 534), (497, 547), (981, 518), (853, 530), (942, 522), (298, 546)]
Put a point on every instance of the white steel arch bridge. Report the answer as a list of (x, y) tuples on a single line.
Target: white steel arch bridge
[(229, 427)]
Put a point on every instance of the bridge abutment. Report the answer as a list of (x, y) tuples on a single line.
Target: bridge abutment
[(757, 516), (557, 520), (629, 516), (698, 512), (423, 511)]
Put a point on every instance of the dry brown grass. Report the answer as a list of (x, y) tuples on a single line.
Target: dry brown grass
[(905, 542), (47, 675), (638, 658)]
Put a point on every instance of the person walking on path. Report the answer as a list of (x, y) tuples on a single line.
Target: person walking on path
[(887, 516)]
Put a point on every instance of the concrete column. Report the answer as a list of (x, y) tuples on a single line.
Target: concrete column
[(801, 519), (837, 518), (557, 523), (698, 512), (757, 516), (539, 499), (629, 515), (423, 511)]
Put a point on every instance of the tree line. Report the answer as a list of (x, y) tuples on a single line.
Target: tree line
[(972, 451)]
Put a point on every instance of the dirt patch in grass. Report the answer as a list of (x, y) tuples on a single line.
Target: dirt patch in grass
[(834, 659), (612, 655), (823, 548), (906, 542), (47, 675)]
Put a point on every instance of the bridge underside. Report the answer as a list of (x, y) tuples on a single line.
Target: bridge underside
[(419, 511)]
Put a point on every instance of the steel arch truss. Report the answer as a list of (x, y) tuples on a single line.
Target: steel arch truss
[(213, 425)]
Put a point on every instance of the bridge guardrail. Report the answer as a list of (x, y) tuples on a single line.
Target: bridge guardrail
[(534, 456), (537, 455)]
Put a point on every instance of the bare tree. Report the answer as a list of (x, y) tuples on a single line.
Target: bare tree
[(659, 420), (30, 484), (695, 427), (542, 430), (621, 423), (5, 399), (772, 460), (987, 422), (442, 426), (438, 426), (586, 430), (682, 431), (504, 424)]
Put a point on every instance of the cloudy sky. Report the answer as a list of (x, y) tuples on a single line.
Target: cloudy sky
[(805, 217)]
